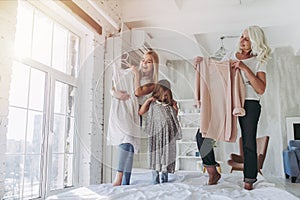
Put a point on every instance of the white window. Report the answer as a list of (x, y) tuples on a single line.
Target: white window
[(41, 134)]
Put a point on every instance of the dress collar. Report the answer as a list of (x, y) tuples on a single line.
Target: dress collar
[(161, 103)]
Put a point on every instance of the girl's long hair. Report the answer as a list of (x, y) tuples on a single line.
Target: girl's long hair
[(159, 89)]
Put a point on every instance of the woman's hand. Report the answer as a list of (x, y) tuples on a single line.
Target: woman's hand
[(135, 70), (198, 104), (121, 95), (257, 81), (197, 61), (238, 64)]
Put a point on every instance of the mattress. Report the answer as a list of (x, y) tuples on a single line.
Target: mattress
[(182, 185)]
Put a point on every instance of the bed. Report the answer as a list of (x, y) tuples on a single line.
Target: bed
[(181, 185)]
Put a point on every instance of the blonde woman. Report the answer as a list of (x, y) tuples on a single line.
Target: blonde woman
[(146, 76), (130, 84), (251, 58)]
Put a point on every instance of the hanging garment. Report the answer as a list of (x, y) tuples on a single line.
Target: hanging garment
[(222, 96), (123, 124)]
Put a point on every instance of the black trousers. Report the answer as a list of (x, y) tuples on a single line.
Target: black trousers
[(248, 124), (205, 147)]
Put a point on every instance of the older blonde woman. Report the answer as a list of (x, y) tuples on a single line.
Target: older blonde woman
[(251, 58)]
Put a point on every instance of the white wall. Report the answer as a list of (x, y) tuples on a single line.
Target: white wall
[(280, 101), (90, 112), (8, 20)]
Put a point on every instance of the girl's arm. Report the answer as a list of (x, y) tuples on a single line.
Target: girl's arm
[(175, 106), (145, 107)]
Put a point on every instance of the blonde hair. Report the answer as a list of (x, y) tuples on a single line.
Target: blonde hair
[(259, 44), (155, 60)]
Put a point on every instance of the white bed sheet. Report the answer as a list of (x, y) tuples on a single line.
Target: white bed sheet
[(181, 185)]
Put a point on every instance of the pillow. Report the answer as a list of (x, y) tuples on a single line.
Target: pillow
[(293, 148), (294, 143)]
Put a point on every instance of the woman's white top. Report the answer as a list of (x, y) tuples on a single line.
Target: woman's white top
[(144, 80), (123, 125), (255, 66)]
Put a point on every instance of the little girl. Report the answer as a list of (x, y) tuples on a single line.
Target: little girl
[(163, 129)]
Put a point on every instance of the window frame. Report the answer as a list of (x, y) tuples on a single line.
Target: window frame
[(52, 75)]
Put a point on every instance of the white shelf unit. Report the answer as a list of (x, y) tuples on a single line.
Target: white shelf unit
[(186, 149)]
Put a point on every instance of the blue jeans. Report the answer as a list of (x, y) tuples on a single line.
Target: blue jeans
[(126, 152)]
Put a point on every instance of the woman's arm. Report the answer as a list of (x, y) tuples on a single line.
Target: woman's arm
[(141, 90), (196, 65), (197, 89), (144, 89), (258, 81), (145, 107)]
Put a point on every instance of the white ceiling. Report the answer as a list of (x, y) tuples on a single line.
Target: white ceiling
[(193, 27), (202, 16)]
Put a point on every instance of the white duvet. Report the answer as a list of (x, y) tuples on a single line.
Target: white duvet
[(182, 185)]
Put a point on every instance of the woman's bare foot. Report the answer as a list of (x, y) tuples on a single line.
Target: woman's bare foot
[(214, 178), (248, 186), (118, 179), (213, 174)]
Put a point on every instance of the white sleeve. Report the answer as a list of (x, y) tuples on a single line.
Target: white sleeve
[(112, 92), (262, 67)]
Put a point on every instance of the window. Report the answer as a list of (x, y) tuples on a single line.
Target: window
[(41, 138), (63, 127)]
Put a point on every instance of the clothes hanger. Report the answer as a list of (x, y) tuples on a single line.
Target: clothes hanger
[(221, 52), (123, 58)]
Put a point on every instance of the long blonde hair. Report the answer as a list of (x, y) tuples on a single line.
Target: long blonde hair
[(155, 59), (259, 44)]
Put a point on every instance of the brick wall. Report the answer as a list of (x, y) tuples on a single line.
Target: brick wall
[(8, 20), (90, 114)]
